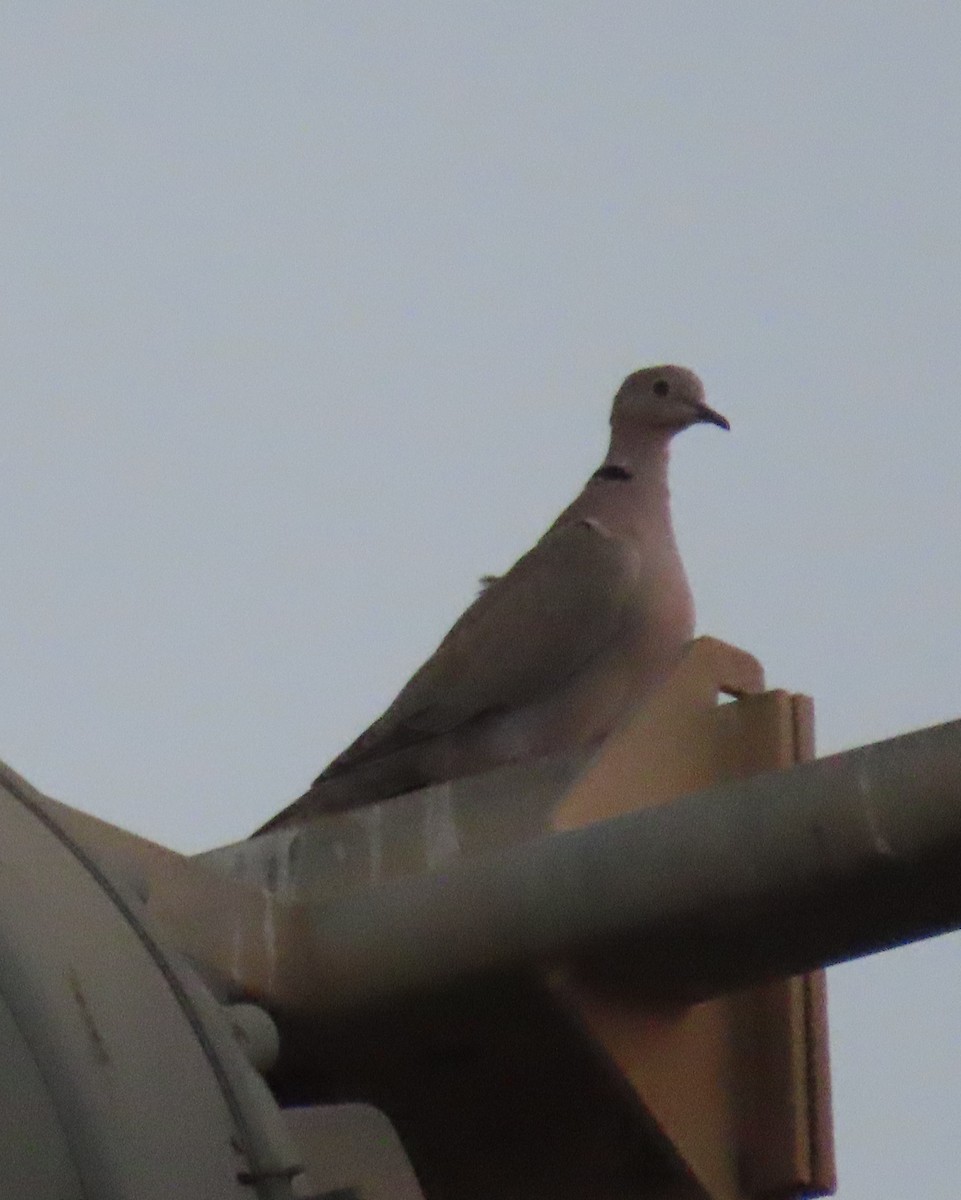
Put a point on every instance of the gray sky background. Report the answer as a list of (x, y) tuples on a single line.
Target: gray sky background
[(312, 314)]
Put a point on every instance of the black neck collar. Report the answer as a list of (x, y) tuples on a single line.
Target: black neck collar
[(613, 472)]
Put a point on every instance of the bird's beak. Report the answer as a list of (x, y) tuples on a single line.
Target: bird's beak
[(705, 413)]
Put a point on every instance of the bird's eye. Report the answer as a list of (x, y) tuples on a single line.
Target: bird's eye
[(661, 387)]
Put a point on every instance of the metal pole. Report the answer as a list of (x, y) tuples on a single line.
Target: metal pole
[(771, 876)]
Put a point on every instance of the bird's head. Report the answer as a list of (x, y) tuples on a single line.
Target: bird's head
[(666, 399)]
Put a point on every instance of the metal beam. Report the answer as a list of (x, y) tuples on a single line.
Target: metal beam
[(767, 877)]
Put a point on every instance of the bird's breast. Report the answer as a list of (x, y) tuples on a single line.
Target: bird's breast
[(656, 627)]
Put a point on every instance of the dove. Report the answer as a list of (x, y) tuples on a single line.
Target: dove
[(552, 654)]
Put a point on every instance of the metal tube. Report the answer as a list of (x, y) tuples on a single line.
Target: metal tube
[(778, 874)]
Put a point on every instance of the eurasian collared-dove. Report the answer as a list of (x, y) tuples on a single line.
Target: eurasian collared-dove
[(553, 653)]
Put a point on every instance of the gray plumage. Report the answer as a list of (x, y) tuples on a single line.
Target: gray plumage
[(552, 654)]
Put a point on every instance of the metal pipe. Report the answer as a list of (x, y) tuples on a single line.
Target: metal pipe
[(766, 877)]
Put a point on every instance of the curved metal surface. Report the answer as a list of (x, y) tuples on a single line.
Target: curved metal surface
[(140, 1069), (28, 1119)]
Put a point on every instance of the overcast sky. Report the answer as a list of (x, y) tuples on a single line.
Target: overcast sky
[(312, 315)]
